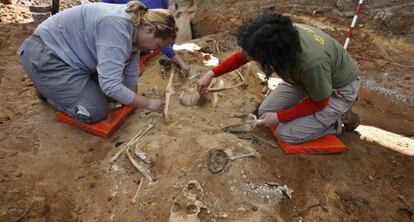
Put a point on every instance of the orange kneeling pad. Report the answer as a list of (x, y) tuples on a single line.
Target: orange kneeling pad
[(144, 58), (326, 144), (104, 128)]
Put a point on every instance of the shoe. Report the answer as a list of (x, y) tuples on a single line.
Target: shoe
[(350, 120)]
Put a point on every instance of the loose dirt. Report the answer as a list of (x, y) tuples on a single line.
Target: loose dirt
[(54, 172)]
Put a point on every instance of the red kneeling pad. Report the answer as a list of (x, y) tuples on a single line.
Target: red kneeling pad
[(104, 128), (144, 58), (326, 144), (116, 117)]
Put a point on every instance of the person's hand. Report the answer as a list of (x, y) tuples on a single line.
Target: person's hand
[(269, 119), (184, 67), (155, 105), (204, 82)]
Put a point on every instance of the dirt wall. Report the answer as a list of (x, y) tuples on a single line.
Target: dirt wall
[(391, 17)]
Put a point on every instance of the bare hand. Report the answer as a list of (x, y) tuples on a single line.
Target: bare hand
[(269, 119), (204, 82), (155, 105)]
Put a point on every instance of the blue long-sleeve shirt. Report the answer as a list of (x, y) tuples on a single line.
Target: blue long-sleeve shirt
[(98, 38), (167, 51)]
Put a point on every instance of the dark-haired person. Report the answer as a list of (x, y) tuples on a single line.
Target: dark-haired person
[(83, 55), (320, 78)]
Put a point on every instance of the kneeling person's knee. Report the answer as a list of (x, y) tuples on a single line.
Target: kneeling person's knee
[(90, 114), (260, 112), (286, 134)]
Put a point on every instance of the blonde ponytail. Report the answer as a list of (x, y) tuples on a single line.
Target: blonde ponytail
[(138, 9), (161, 19)]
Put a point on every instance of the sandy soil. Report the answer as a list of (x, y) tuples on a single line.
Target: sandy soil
[(54, 172)]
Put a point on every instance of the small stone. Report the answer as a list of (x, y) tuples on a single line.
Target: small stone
[(178, 184), (224, 215), (114, 167), (272, 184), (252, 186), (141, 115), (241, 209), (19, 175), (370, 177)]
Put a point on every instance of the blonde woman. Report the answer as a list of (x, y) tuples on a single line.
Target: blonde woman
[(79, 58), (167, 51)]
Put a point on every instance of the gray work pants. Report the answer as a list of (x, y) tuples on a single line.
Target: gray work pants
[(67, 89), (313, 126)]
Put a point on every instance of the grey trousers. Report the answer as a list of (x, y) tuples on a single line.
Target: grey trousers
[(67, 89), (314, 126)]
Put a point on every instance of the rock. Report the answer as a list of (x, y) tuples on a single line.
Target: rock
[(39, 207), (224, 215), (191, 99), (371, 178), (14, 214)]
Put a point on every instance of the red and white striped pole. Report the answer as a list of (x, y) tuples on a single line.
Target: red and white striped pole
[(357, 11)]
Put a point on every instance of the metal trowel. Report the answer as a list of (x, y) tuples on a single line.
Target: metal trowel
[(249, 123)]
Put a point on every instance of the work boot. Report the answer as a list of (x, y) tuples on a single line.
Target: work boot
[(350, 120)]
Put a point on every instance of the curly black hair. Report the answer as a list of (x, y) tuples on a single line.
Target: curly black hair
[(272, 41)]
